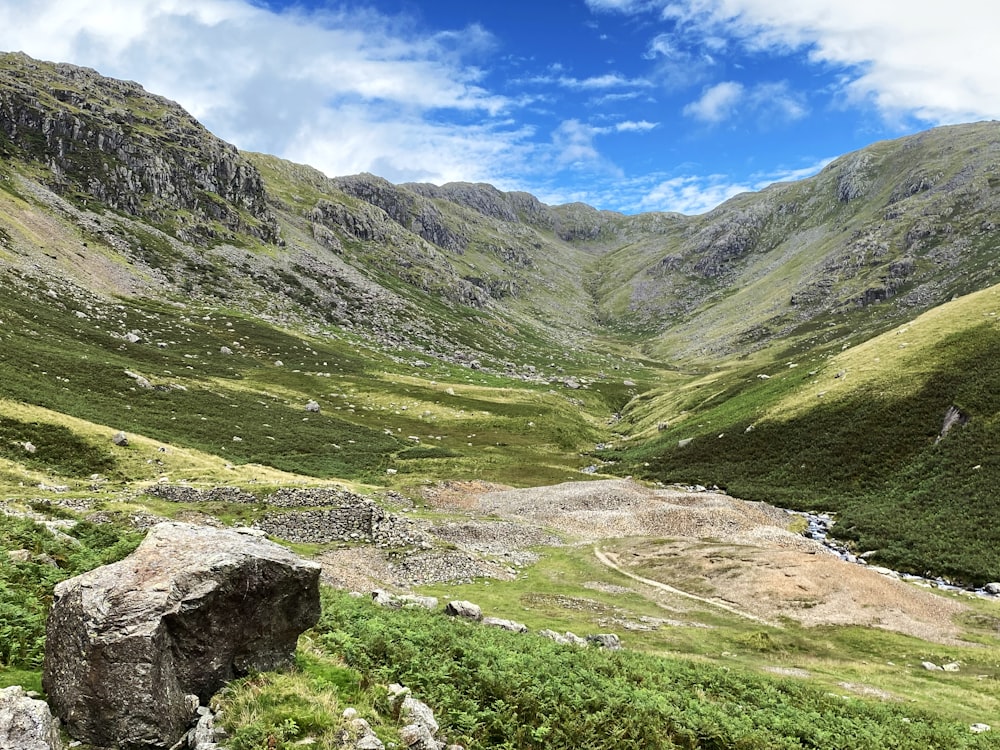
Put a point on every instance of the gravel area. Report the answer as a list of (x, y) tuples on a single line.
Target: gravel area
[(598, 510)]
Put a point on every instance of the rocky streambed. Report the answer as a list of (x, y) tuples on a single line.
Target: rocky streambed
[(819, 526)]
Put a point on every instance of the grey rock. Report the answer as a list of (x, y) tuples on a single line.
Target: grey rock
[(992, 588), (418, 712), (192, 608), (364, 736), (554, 636), (120, 439), (396, 694), (132, 337), (29, 447), (930, 666), (417, 737), (19, 555), (26, 723), (511, 625), (398, 601), (312, 406), (608, 641), (979, 728), (204, 732), (465, 609), (953, 666), (225, 350)]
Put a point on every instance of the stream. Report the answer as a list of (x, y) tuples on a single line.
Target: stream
[(819, 525)]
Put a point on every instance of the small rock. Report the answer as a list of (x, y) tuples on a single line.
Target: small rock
[(26, 723), (397, 601), (29, 447), (980, 728), (951, 667), (19, 555), (930, 666), (554, 636), (416, 737), (120, 439), (992, 588), (511, 625), (465, 609), (225, 350), (312, 406), (608, 641), (418, 712)]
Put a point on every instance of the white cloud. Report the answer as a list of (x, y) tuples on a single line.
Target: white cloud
[(632, 126), (354, 139), (661, 45), (684, 193), (607, 81), (767, 103), (365, 88), (690, 195), (717, 103), (621, 6), (935, 61)]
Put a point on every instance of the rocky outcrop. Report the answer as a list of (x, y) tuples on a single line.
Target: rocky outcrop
[(420, 726), (134, 647), (26, 723), (97, 135), (412, 212), (464, 609)]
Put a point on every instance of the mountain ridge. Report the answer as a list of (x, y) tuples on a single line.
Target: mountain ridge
[(601, 312)]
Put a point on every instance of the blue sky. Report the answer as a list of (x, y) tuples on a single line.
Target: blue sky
[(630, 105)]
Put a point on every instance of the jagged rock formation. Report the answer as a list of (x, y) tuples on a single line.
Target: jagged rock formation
[(129, 150), (134, 647)]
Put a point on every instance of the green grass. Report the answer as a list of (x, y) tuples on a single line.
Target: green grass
[(202, 399), (490, 688), (864, 445), (26, 587)]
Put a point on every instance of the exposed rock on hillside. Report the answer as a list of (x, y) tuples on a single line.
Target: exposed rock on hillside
[(132, 648), (894, 228), (133, 151)]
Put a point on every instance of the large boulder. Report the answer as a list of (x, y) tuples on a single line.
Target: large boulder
[(26, 723), (133, 647)]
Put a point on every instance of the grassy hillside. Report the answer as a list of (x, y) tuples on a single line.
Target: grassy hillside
[(859, 432)]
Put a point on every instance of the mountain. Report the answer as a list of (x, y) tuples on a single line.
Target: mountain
[(129, 233), (244, 330)]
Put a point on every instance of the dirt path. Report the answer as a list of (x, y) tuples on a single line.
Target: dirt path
[(609, 559)]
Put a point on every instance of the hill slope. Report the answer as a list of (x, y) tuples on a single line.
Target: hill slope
[(138, 248)]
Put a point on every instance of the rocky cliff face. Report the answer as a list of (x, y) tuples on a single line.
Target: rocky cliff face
[(112, 142)]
